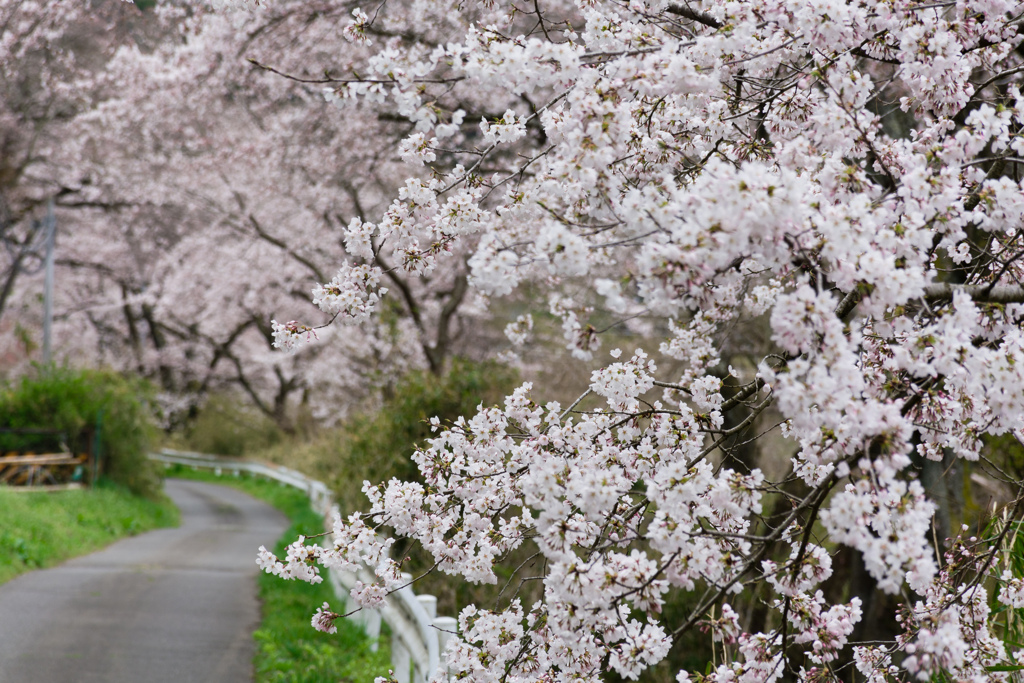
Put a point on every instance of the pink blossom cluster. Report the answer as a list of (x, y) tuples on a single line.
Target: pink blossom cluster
[(951, 629), (352, 294)]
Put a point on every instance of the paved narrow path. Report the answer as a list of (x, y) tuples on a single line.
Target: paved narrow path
[(175, 605)]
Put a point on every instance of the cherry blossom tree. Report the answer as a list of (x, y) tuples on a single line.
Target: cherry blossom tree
[(218, 196), (850, 171), (44, 47)]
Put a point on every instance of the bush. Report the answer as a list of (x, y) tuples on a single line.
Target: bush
[(78, 403), (224, 425)]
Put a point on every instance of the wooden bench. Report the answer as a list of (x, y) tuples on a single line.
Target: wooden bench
[(35, 469)]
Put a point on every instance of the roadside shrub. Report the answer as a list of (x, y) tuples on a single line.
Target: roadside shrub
[(77, 403), (225, 425)]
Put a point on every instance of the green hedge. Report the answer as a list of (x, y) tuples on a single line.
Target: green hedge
[(76, 403)]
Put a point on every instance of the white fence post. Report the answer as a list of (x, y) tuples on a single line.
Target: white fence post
[(447, 629), (429, 603), (401, 662)]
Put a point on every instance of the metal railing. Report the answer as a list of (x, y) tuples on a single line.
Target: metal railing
[(418, 635)]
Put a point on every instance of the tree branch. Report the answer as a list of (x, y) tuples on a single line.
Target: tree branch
[(436, 355), (694, 15), (1004, 294), (284, 247), (403, 288)]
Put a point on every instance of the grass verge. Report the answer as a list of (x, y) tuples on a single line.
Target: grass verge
[(39, 529), (288, 649)]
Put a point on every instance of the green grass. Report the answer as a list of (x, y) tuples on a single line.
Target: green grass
[(40, 529), (288, 649)]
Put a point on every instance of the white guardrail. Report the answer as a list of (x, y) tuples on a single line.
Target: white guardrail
[(418, 635)]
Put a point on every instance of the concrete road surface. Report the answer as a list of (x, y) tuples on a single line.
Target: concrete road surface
[(175, 605)]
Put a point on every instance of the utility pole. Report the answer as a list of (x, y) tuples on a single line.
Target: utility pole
[(51, 234)]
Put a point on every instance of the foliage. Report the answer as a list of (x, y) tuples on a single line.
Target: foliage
[(226, 425), (43, 47), (77, 403), (1007, 453), (1009, 561), (288, 650), (42, 529)]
